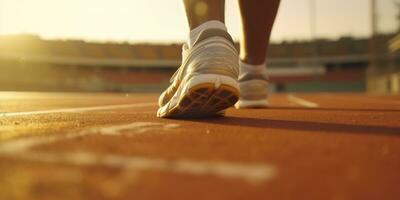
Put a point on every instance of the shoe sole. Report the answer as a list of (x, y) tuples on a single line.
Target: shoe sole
[(203, 96), (251, 104)]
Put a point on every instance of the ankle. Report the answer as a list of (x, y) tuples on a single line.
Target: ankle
[(253, 60)]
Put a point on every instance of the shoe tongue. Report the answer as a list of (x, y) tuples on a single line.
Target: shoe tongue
[(212, 24), (213, 32)]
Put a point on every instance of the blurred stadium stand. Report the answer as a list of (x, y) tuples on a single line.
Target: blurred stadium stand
[(31, 63), (385, 79)]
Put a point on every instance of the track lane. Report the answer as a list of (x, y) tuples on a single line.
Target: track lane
[(319, 153)]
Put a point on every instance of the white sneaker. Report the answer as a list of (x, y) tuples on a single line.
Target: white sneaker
[(253, 82), (206, 82)]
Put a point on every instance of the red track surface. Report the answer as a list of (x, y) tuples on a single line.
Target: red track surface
[(306, 146)]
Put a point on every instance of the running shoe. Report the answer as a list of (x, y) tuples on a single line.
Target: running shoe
[(206, 82), (253, 85)]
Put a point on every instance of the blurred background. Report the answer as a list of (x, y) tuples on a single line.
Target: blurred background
[(135, 45)]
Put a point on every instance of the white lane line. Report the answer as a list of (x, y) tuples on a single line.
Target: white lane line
[(27, 143), (23, 149), (254, 173), (81, 109), (302, 102), (138, 127)]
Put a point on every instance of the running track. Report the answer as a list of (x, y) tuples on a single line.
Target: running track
[(111, 146)]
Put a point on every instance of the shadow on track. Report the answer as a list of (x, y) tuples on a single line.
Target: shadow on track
[(332, 109), (321, 127)]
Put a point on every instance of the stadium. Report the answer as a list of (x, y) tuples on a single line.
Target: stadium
[(81, 87)]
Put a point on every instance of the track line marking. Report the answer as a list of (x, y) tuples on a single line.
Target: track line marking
[(138, 127), (81, 109), (254, 173), (302, 102), (27, 143), (23, 149)]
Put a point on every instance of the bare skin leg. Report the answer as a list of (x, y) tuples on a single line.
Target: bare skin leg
[(200, 11), (258, 17)]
